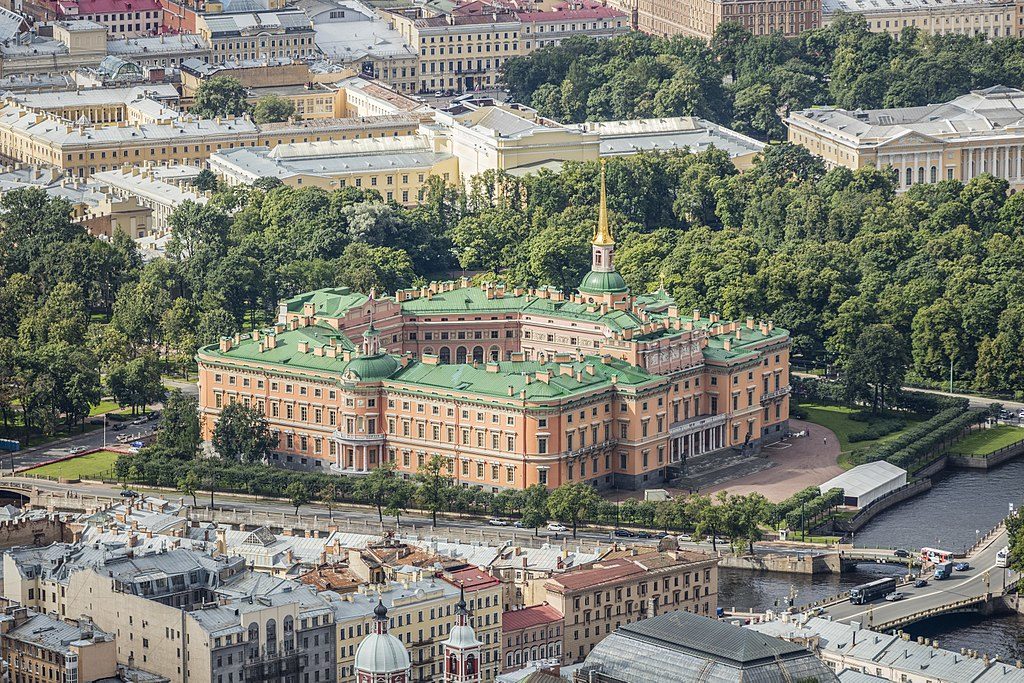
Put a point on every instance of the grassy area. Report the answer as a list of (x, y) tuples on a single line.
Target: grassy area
[(103, 407), (985, 441), (837, 419), (90, 466)]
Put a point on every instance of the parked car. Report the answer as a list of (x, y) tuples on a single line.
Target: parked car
[(685, 538), (900, 552), (894, 596), (624, 533), (660, 535), (139, 421), (962, 566), (555, 526), (497, 522), (920, 583), (128, 493), (517, 524), (117, 426), (644, 534), (76, 449)]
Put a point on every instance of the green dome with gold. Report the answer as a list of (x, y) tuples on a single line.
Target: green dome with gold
[(373, 368)]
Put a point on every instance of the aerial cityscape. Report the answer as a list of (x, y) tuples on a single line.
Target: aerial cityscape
[(511, 341)]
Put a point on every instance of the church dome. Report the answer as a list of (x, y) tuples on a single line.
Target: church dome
[(462, 637), (381, 653), (597, 282)]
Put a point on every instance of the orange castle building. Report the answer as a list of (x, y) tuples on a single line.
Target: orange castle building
[(511, 386)]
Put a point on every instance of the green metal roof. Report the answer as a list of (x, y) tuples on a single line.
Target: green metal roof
[(599, 283), (479, 380), (332, 302)]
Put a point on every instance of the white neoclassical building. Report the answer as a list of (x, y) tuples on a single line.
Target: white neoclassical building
[(980, 132)]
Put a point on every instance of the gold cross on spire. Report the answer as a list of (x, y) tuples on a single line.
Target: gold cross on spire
[(603, 235)]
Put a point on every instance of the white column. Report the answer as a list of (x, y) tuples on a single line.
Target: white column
[(702, 441), (1020, 149), (970, 165), (365, 468)]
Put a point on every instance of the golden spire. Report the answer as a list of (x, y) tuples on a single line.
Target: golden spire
[(603, 235)]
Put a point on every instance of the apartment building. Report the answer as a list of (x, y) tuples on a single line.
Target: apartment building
[(257, 35), (168, 51), (79, 148), (397, 167), (182, 614), (542, 28), (482, 595), (459, 51), (990, 18), (121, 18), (530, 634), (142, 185), (958, 140), (626, 587), (700, 19), (511, 387), (38, 648), (420, 613)]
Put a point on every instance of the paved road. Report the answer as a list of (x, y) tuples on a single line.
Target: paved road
[(983, 577), (103, 436), (365, 520), (975, 401)]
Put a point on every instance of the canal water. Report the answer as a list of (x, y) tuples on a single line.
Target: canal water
[(961, 503)]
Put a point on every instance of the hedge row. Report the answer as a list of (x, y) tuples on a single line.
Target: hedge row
[(906, 449), (793, 502), (877, 429)]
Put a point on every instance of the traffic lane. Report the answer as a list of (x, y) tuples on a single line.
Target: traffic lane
[(370, 518), (938, 593)]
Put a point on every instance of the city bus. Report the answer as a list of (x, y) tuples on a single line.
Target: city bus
[(872, 591), (1003, 558), (935, 556)]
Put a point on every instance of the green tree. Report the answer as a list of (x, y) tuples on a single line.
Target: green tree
[(707, 518), (435, 485), (878, 364), (572, 502), (376, 487), (297, 494), (206, 181), (242, 434), (220, 96), (179, 431), (399, 498), (188, 484), (273, 109), (535, 507), (137, 383), (328, 495)]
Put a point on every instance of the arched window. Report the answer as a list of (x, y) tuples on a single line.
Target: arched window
[(429, 351), (910, 176), (920, 174), (453, 664), (271, 636), (494, 353), (254, 640), (445, 355), (289, 633), (470, 665), (478, 354), (935, 174), (460, 355)]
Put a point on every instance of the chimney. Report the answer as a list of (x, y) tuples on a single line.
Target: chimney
[(696, 314)]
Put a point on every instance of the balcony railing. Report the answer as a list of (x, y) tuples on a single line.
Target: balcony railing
[(358, 438), (275, 666), (772, 395)]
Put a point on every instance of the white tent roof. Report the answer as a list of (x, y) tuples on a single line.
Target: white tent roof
[(863, 478)]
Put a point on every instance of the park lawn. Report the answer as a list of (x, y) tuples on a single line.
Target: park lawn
[(103, 407), (837, 419), (89, 466), (985, 441)]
